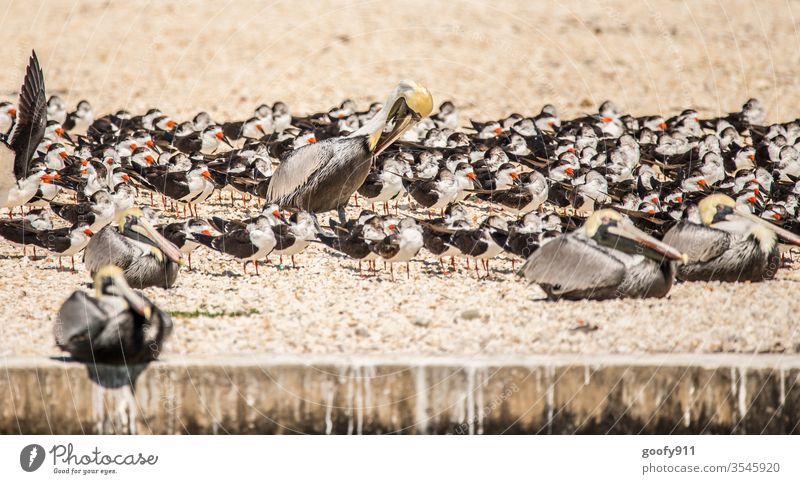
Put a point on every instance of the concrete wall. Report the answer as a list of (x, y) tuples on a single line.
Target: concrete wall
[(548, 394)]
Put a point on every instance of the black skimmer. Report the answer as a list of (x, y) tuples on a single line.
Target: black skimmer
[(118, 326), (63, 242), (182, 235), (251, 243), (17, 183), (78, 121), (98, 211), (402, 245), (483, 243)]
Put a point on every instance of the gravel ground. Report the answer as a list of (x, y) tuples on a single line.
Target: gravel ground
[(492, 59)]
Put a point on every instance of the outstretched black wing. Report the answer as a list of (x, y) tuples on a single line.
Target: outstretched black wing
[(28, 130)]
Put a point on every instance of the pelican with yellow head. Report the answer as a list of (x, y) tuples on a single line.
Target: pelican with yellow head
[(322, 176), (135, 246), (608, 257), (731, 244)]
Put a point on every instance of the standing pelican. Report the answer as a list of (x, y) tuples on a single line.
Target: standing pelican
[(17, 185), (731, 244), (147, 258), (117, 326), (322, 176), (606, 258)]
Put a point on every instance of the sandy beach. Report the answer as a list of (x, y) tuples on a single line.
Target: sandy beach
[(491, 60)]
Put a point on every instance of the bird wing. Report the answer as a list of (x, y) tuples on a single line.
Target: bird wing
[(699, 242), (567, 264), (28, 131), (108, 247), (297, 168), (79, 319)]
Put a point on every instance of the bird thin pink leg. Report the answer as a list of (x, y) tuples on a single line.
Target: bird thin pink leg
[(255, 263)]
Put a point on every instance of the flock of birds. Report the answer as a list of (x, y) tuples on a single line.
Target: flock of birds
[(606, 205)]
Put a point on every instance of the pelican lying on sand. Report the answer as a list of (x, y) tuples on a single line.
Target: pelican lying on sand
[(322, 176), (606, 258), (145, 256), (731, 244), (117, 326)]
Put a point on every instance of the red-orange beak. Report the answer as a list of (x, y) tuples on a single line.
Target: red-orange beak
[(605, 119), (701, 182), (125, 177), (133, 146), (751, 157), (471, 176), (569, 171), (776, 216), (63, 155), (12, 112), (84, 162), (514, 175), (149, 143), (751, 200), (498, 130), (206, 174), (662, 125), (60, 131), (88, 232), (312, 139), (149, 159), (219, 135), (206, 232), (170, 124)]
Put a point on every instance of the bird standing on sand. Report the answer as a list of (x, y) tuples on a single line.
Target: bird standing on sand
[(17, 185), (323, 176)]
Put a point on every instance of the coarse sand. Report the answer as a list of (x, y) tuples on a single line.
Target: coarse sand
[(491, 59)]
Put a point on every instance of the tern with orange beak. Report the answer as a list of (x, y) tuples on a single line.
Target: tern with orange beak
[(146, 257), (322, 176), (607, 258), (731, 244)]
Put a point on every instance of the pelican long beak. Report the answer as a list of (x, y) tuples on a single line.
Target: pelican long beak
[(403, 118), (146, 233), (781, 232), (137, 303), (634, 241)]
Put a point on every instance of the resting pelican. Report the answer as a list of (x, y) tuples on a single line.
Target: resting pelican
[(731, 244), (117, 326), (147, 258), (322, 176), (17, 184), (606, 258)]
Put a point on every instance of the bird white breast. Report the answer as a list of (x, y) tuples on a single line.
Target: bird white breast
[(410, 244)]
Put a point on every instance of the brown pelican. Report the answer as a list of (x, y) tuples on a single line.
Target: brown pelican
[(117, 326), (147, 258), (606, 258), (17, 184), (731, 244), (322, 176)]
